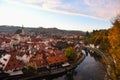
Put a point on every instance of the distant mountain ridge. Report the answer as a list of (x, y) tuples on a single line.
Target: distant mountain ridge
[(40, 30)]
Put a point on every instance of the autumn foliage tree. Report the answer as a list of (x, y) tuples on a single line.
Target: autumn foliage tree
[(100, 37), (114, 39)]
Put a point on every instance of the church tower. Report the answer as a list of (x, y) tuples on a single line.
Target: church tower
[(23, 32)]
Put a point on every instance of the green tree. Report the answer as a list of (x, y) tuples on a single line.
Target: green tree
[(70, 53)]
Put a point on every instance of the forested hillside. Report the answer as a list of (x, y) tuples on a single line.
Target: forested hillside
[(109, 41), (114, 40)]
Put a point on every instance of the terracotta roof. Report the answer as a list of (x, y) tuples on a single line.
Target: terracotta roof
[(37, 60), (56, 59), (7, 40), (1, 41), (13, 63), (58, 52), (36, 39), (39, 63)]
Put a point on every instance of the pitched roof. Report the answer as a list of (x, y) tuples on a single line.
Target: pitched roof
[(13, 63)]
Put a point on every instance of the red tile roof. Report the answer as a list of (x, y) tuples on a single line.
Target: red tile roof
[(13, 63), (56, 59)]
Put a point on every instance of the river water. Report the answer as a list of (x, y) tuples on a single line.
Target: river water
[(90, 69)]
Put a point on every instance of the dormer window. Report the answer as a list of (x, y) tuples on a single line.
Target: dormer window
[(0, 63), (5, 59), (3, 64)]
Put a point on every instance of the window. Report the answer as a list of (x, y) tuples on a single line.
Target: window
[(0, 63), (4, 59), (3, 64)]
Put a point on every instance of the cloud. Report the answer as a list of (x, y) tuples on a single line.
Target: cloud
[(98, 9), (105, 9)]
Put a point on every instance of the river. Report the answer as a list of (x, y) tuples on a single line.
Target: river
[(89, 69)]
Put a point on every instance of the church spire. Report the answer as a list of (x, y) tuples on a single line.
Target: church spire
[(22, 29)]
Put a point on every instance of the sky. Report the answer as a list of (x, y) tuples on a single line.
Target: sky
[(83, 15)]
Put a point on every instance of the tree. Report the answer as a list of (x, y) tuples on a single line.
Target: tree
[(114, 39), (99, 38), (70, 53), (114, 33)]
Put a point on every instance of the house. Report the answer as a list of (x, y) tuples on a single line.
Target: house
[(4, 61), (24, 58), (13, 64)]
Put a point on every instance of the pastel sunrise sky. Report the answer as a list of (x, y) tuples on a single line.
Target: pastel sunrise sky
[(84, 15)]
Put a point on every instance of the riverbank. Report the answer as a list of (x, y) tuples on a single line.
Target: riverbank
[(48, 72), (109, 63)]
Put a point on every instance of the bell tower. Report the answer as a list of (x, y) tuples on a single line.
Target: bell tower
[(23, 32)]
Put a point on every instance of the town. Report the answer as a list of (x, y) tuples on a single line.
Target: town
[(20, 51)]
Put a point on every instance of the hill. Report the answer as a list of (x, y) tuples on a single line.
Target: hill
[(40, 30)]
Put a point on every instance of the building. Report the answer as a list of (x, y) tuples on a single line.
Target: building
[(19, 36)]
